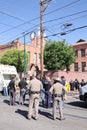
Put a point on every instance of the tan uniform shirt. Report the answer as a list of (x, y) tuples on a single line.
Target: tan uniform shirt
[(36, 85), (57, 88)]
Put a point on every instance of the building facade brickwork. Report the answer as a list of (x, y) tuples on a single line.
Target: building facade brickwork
[(78, 69), (33, 49), (80, 49)]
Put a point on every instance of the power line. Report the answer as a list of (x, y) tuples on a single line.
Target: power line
[(55, 34), (46, 21), (5, 24), (17, 19), (21, 35), (77, 18), (71, 30), (65, 16), (52, 26), (13, 28), (70, 20), (11, 16), (55, 25), (36, 17), (52, 32), (58, 9)]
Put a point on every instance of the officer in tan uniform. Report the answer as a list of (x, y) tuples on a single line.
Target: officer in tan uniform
[(35, 88), (57, 90)]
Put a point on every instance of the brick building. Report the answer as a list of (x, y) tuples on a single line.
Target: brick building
[(80, 64), (33, 49), (78, 69)]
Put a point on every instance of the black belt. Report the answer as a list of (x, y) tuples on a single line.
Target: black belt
[(57, 95), (35, 92)]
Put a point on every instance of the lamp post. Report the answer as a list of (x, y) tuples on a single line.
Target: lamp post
[(43, 6), (32, 36)]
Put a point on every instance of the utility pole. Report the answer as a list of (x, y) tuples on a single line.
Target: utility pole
[(43, 6), (41, 39), (24, 58)]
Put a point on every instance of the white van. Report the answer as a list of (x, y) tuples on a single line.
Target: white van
[(6, 72)]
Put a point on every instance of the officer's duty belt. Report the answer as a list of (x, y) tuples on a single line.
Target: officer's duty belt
[(35, 92), (57, 95)]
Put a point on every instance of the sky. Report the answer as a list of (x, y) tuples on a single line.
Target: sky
[(19, 17)]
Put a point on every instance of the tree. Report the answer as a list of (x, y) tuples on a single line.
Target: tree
[(15, 57), (58, 55)]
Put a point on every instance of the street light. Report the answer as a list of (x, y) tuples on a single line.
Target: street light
[(66, 26), (63, 33), (43, 6)]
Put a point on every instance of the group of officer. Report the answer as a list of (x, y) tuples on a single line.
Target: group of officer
[(56, 89), (12, 90)]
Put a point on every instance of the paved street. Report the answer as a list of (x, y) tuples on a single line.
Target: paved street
[(14, 117)]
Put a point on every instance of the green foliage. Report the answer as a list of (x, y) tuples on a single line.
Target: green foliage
[(58, 55), (15, 57)]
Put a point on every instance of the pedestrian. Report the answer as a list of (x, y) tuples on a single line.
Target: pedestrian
[(48, 95), (63, 82), (76, 83), (83, 83), (43, 91), (23, 87), (35, 89), (57, 90), (72, 85), (12, 90), (5, 89), (67, 86)]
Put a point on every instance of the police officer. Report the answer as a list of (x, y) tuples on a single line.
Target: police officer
[(47, 86), (63, 82), (22, 85), (12, 89), (35, 88), (57, 90)]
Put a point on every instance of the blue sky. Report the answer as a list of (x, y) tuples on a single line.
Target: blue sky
[(19, 16)]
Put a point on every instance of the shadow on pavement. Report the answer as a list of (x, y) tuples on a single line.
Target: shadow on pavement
[(22, 112), (25, 113), (46, 114), (26, 104), (78, 104), (76, 116), (6, 101)]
